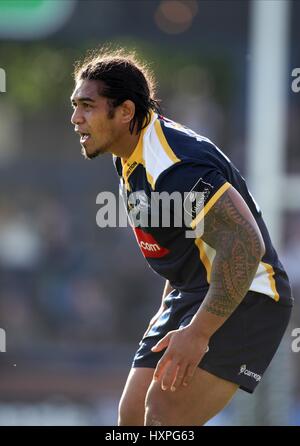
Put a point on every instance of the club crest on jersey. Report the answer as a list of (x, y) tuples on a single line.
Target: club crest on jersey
[(149, 246), (194, 201)]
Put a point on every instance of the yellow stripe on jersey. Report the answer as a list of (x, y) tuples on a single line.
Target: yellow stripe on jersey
[(210, 204), (133, 161), (127, 185), (271, 274), (150, 179), (164, 142), (207, 255)]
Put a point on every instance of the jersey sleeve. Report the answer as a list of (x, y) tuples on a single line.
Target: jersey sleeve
[(199, 187)]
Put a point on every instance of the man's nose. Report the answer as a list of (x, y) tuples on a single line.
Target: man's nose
[(76, 117)]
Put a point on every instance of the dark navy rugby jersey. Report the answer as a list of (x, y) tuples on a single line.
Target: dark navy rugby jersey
[(172, 158)]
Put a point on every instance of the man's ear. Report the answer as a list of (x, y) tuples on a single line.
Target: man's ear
[(127, 109)]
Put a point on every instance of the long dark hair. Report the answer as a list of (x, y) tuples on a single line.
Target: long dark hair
[(122, 77)]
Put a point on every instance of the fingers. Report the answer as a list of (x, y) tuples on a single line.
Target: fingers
[(178, 364), (177, 382), (172, 374), (163, 343), (160, 368), (169, 376), (166, 372), (189, 374)]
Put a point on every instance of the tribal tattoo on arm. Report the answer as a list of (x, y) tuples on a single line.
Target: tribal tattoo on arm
[(230, 228)]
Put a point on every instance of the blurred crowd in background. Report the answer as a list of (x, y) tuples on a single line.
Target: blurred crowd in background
[(75, 299)]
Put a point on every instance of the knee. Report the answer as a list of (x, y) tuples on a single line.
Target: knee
[(159, 409), (153, 415)]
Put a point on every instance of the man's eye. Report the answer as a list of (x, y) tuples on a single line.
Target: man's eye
[(85, 105)]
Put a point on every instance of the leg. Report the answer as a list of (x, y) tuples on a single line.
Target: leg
[(132, 403), (193, 405)]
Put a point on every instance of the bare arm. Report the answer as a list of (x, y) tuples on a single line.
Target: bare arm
[(230, 229)]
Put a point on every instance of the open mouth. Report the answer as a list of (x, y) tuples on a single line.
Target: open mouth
[(84, 137)]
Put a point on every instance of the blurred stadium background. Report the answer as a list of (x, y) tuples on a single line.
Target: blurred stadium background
[(75, 299)]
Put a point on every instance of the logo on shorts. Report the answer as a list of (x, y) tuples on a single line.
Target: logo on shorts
[(245, 371)]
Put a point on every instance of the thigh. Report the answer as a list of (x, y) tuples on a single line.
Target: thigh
[(132, 402), (193, 405)]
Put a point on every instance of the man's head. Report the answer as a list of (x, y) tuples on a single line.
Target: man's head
[(113, 98)]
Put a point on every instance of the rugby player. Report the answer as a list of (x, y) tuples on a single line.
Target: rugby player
[(227, 299)]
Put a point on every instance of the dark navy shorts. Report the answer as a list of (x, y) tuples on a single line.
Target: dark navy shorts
[(243, 347)]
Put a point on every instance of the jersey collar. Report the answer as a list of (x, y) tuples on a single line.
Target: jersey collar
[(136, 157)]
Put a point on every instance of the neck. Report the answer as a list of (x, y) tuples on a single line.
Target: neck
[(126, 145)]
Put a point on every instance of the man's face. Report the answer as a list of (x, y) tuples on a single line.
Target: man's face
[(93, 119)]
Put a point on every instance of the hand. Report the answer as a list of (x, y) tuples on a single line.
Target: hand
[(185, 349)]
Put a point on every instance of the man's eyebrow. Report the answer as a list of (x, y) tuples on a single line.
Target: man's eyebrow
[(82, 99)]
